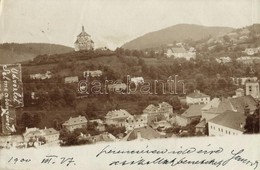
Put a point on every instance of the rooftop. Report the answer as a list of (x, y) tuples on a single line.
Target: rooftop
[(230, 119), (193, 111), (75, 120), (117, 114), (145, 133)]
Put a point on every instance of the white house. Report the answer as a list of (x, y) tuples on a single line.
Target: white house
[(136, 121), (197, 98), (95, 73), (75, 122), (40, 76), (137, 80), (117, 117), (72, 79), (227, 123)]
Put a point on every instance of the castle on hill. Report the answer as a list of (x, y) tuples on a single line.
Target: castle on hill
[(83, 41)]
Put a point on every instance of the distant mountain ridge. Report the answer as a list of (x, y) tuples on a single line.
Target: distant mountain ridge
[(14, 52), (178, 32)]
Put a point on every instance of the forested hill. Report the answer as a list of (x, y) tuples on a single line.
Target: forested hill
[(178, 33), (14, 52)]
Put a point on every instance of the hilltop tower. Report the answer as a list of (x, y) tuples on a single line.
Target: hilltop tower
[(83, 41)]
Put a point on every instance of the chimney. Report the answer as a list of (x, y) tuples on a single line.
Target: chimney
[(83, 29)]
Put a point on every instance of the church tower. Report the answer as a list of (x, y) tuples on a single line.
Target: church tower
[(252, 88), (83, 41)]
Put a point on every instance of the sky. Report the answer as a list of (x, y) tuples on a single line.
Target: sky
[(111, 23)]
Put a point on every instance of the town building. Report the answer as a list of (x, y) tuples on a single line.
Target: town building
[(40, 76), (12, 141), (72, 79), (75, 122), (100, 125), (51, 135), (136, 121), (137, 80), (117, 117), (223, 60), (252, 88), (95, 73), (227, 123), (83, 41), (191, 114), (34, 134), (197, 98), (156, 113)]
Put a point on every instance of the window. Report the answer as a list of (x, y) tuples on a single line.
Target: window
[(218, 129)]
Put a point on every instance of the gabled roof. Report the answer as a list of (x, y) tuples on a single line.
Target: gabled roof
[(83, 33), (193, 111), (214, 103), (145, 133), (32, 132), (117, 114), (240, 103), (50, 131), (75, 121), (230, 119)]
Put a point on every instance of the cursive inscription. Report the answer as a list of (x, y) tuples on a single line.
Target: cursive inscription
[(181, 156)]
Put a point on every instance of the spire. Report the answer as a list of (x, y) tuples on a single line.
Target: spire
[(83, 28)]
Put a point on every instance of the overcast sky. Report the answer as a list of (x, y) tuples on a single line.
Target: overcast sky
[(114, 22)]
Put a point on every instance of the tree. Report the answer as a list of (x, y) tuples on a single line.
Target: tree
[(27, 120), (252, 123)]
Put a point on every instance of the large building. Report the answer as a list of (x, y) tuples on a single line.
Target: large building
[(227, 123), (117, 117), (75, 122), (83, 41)]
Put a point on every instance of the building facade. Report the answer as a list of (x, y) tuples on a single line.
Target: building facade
[(83, 41), (75, 122)]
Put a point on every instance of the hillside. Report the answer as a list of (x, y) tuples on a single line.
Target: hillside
[(177, 33), (14, 52)]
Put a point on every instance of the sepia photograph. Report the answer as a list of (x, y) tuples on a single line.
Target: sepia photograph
[(88, 77)]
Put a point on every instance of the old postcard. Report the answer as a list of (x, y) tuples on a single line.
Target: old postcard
[(129, 84)]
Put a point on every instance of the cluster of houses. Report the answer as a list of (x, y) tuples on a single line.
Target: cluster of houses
[(252, 51), (144, 125), (32, 137), (224, 116), (221, 116)]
